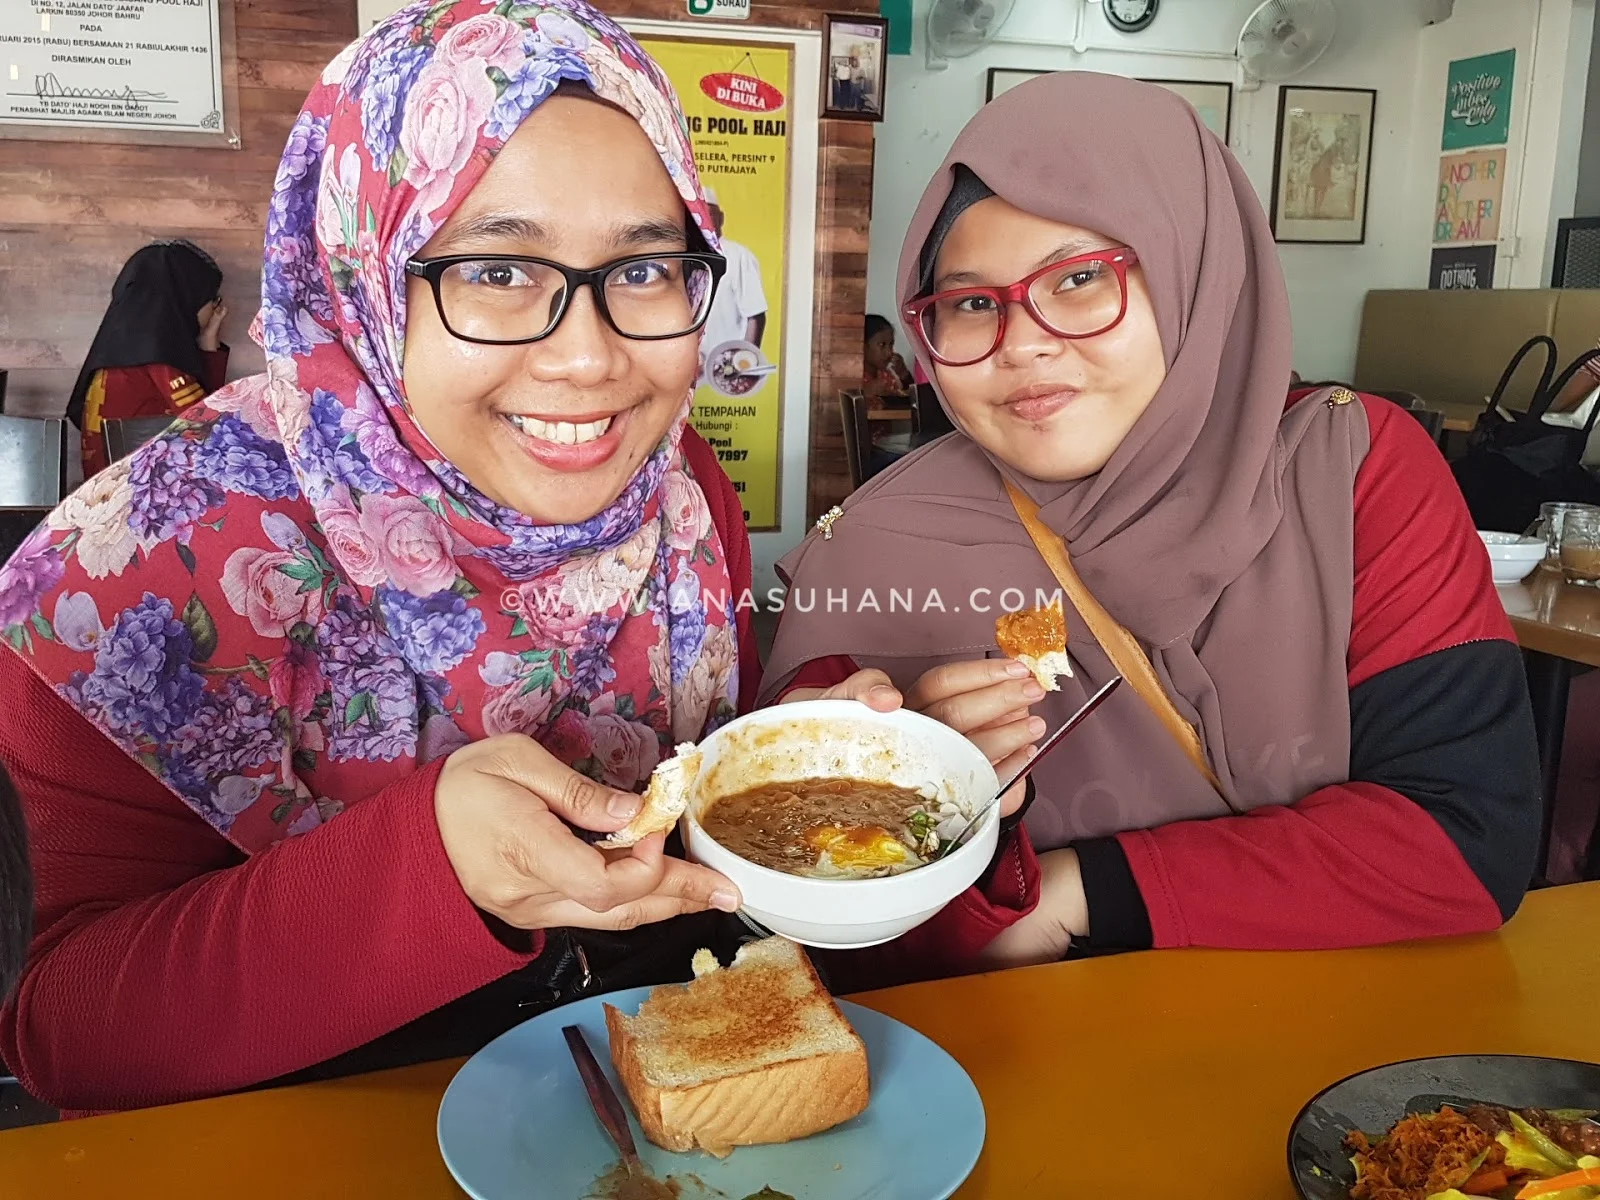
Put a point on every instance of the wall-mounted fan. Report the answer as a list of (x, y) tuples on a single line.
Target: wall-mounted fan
[(957, 28), (1284, 37)]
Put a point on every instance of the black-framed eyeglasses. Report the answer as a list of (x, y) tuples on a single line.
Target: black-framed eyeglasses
[(510, 299)]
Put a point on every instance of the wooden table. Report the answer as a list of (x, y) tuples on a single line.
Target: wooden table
[(1554, 617), (1557, 625), (889, 414), (1077, 1063)]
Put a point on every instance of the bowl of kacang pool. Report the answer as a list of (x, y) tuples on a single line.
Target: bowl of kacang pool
[(1512, 557), (836, 821)]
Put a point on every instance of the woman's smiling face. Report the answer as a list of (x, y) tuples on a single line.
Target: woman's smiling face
[(1054, 408), (555, 428)]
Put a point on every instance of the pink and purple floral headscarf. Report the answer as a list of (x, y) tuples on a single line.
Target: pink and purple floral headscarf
[(291, 599)]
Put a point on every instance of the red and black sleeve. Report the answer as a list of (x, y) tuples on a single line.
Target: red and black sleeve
[(1437, 829)]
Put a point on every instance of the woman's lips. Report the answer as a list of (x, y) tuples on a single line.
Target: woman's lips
[(1039, 402), (572, 456)]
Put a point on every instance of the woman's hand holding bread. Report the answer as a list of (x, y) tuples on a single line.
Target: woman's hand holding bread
[(504, 806)]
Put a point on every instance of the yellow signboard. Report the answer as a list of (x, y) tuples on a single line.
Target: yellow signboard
[(736, 97)]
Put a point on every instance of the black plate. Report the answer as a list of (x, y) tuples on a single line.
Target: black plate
[(1374, 1100)]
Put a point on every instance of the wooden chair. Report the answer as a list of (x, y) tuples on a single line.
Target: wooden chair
[(857, 437), (928, 416)]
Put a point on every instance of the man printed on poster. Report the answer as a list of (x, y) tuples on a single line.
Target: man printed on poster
[(739, 312)]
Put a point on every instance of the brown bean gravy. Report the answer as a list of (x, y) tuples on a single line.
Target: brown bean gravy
[(824, 826)]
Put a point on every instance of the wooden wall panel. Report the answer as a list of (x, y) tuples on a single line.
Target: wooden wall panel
[(71, 213)]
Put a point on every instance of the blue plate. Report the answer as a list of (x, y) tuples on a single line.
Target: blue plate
[(516, 1123)]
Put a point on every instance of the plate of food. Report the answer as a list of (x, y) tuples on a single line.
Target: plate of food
[(750, 1081), (737, 368), (1469, 1125)]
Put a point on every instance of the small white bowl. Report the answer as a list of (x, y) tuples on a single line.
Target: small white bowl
[(817, 739), (1512, 558)]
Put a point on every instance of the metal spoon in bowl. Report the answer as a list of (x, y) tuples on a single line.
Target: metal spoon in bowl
[(1050, 743)]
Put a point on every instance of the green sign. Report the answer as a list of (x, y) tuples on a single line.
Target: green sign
[(1477, 101), (898, 13), (720, 10)]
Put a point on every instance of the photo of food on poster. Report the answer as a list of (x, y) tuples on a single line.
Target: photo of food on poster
[(736, 98)]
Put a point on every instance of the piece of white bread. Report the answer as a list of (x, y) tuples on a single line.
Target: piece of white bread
[(751, 1054), (1037, 638), (1047, 667), (671, 785)]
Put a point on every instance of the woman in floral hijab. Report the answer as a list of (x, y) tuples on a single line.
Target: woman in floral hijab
[(307, 696)]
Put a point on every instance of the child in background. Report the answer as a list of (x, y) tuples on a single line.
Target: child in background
[(884, 372)]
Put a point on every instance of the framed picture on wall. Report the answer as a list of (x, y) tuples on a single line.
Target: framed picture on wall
[(1213, 101), (1003, 79), (855, 51), (1322, 165)]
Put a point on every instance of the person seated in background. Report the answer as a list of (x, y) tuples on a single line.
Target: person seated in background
[(1334, 746), (159, 346), (337, 669), (16, 887), (1579, 388), (883, 371)]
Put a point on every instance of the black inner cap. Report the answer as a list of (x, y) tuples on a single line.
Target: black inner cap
[(967, 190)]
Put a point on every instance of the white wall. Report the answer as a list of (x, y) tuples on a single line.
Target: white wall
[(1380, 44), (1552, 39)]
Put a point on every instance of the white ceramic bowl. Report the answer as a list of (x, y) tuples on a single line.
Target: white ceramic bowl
[(843, 738), (1512, 557)]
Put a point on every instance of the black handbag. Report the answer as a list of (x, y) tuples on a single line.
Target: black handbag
[(1513, 464)]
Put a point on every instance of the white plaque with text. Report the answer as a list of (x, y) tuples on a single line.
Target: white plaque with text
[(112, 64)]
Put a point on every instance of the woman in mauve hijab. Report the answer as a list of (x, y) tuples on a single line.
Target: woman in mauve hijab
[(1093, 289)]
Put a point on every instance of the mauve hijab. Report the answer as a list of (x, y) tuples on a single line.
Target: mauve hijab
[(1219, 533)]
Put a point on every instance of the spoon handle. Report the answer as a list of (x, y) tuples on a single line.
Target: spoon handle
[(601, 1095), (1067, 726)]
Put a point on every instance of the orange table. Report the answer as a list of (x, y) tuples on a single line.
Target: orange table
[(1188, 1064)]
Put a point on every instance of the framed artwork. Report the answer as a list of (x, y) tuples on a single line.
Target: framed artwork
[(855, 51), (1213, 101), (1003, 79), (1322, 166), (1477, 106)]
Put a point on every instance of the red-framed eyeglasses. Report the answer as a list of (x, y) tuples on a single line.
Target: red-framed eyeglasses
[(1078, 297)]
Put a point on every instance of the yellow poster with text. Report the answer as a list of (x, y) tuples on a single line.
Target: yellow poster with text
[(736, 98)]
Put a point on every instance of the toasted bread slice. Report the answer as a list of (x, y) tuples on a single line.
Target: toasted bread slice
[(751, 1054), (1037, 638), (671, 785)]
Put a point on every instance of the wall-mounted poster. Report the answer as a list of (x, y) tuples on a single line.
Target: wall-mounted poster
[(735, 96), (1477, 101), (1456, 267), (1322, 167), (1470, 187), (145, 70)]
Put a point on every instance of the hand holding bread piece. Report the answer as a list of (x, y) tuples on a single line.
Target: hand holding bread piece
[(665, 799), (1037, 638)]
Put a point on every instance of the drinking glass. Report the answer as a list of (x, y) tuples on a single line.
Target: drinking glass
[(1552, 518), (1580, 547)]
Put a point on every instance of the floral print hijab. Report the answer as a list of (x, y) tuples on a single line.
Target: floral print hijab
[(290, 599)]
